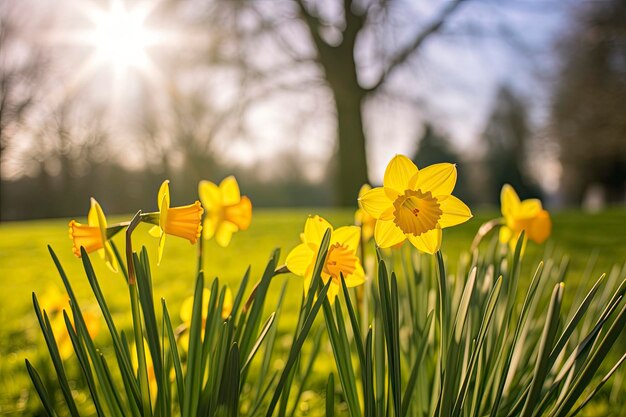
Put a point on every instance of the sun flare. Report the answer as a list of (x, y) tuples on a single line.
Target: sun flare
[(121, 38)]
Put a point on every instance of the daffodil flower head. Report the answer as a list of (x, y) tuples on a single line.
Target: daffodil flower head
[(528, 216), (227, 211), (363, 218), (186, 311), (93, 235), (341, 258), (183, 221), (414, 204), (54, 302)]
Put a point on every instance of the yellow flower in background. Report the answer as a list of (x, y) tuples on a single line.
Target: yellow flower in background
[(527, 215), (226, 210), (186, 311), (181, 221), (363, 218), (54, 302), (341, 258), (93, 235), (414, 204)]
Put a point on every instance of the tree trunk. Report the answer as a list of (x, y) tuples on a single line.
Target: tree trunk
[(352, 161)]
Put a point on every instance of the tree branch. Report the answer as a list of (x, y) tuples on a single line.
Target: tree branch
[(401, 56)]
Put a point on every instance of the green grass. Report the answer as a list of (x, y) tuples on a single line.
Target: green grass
[(25, 266)]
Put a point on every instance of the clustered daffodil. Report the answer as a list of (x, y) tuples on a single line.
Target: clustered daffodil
[(341, 259), (93, 235), (186, 311), (415, 204), (363, 218), (226, 210), (181, 221), (528, 216), (54, 302)]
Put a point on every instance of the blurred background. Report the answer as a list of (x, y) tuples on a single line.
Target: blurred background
[(306, 100)]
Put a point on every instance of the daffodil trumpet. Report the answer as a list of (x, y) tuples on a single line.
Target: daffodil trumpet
[(183, 221)]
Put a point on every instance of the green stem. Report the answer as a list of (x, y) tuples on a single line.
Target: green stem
[(144, 385)]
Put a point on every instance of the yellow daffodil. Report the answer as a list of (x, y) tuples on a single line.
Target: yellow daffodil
[(363, 218), (149, 366), (93, 235), (414, 204), (341, 258), (527, 215), (181, 221), (186, 310), (226, 210), (54, 302)]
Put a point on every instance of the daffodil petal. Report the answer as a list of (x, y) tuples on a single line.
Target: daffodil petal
[(398, 173), (364, 188), (333, 291), (224, 233), (349, 236), (375, 202), (387, 234), (109, 257), (210, 195), (299, 259), (155, 231), (429, 242), (186, 309), (308, 277), (505, 234), (314, 229), (509, 200), (160, 248), (529, 208), (540, 228), (209, 226), (454, 211), (230, 191), (164, 208), (92, 216), (356, 278), (164, 191), (439, 179)]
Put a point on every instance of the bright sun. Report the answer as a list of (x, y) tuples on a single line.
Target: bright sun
[(120, 37)]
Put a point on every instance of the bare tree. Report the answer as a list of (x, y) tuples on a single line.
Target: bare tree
[(337, 32), (21, 65)]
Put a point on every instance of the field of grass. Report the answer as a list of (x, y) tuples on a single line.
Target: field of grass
[(26, 267)]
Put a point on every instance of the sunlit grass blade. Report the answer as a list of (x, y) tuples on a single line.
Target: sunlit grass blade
[(194, 373), (308, 369), (330, 396), (144, 285), (53, 349), (41, 390), (178, 369), (545, 347), (419, 358), (598, 387), (296, 347), (229, 389), (257, 344), (254, 317), (85, 367), (591, 367), (122, 355)]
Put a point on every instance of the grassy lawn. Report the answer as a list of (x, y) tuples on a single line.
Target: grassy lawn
[(25, 266)]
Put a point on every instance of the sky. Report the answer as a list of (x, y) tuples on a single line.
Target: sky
[(117, 57)]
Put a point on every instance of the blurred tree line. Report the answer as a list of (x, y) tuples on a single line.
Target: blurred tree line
[(343, 56)]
